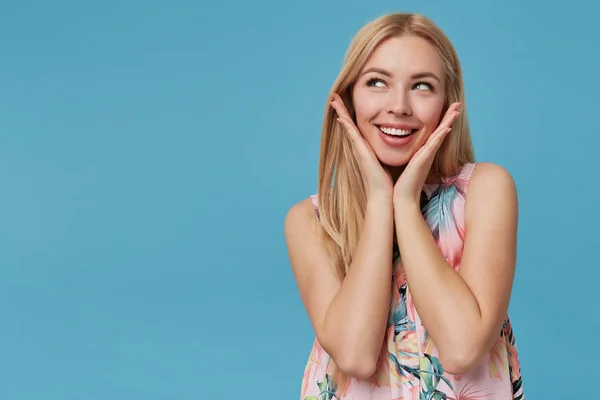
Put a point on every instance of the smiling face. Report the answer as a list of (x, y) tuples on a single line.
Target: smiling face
[(399, 98)]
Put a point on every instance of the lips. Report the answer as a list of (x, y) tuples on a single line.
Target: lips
[(396, 137)]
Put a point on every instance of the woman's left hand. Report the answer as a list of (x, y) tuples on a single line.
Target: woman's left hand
[(409, 185)]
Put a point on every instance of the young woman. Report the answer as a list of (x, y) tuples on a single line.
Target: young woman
[(406, 278)]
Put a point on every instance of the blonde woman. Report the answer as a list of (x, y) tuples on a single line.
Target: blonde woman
[(405, 277)]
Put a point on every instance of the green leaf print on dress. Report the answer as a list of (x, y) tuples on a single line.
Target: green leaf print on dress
[(399, 316), (328, 390), (432, 373)]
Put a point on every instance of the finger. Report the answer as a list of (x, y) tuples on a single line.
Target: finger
[(444, 127), (449, 119), (428, 150), (439, 134), (358, 142), (340, 107), (451, 114), (424, 157), (350, 129), (344, 118), (436, 140)]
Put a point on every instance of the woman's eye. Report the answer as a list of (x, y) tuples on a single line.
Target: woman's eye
[(375, 82), (423, 86)]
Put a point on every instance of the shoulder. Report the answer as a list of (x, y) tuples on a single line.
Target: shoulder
[(300, 216), (307, 243), (491, 187), (487, 176)]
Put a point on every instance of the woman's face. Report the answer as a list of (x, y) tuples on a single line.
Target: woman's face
[(399, 97)]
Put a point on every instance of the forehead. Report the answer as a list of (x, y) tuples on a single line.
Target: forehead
[(406, 55)]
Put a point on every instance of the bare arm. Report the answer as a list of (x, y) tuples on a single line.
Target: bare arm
[(464, 312), (349, 317)]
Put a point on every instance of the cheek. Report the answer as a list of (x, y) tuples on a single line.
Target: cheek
[(430, 114), (366, 107)]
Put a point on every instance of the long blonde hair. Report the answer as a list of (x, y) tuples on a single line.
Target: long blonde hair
[(341, 189)]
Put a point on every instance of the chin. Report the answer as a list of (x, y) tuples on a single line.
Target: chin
[(394, 159)]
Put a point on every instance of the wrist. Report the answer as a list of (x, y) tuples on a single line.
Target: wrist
[(380, 197), (405, 206), (380, 204)]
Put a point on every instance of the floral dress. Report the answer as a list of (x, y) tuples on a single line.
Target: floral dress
[(408, 367)]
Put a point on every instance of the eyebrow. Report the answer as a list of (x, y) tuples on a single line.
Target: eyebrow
[(414, 76)]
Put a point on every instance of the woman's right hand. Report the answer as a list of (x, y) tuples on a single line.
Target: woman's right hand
[(378, 179)]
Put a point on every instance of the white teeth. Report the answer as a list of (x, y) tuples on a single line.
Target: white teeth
[(395, 132)]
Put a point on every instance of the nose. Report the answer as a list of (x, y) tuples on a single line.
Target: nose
[(399, 103)]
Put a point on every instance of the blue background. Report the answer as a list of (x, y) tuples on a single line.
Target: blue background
[(149, 152)]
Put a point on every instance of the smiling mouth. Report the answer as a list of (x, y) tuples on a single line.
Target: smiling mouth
[(396, 132)]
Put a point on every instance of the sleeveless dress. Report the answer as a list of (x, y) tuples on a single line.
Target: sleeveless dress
[(408, 367)]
